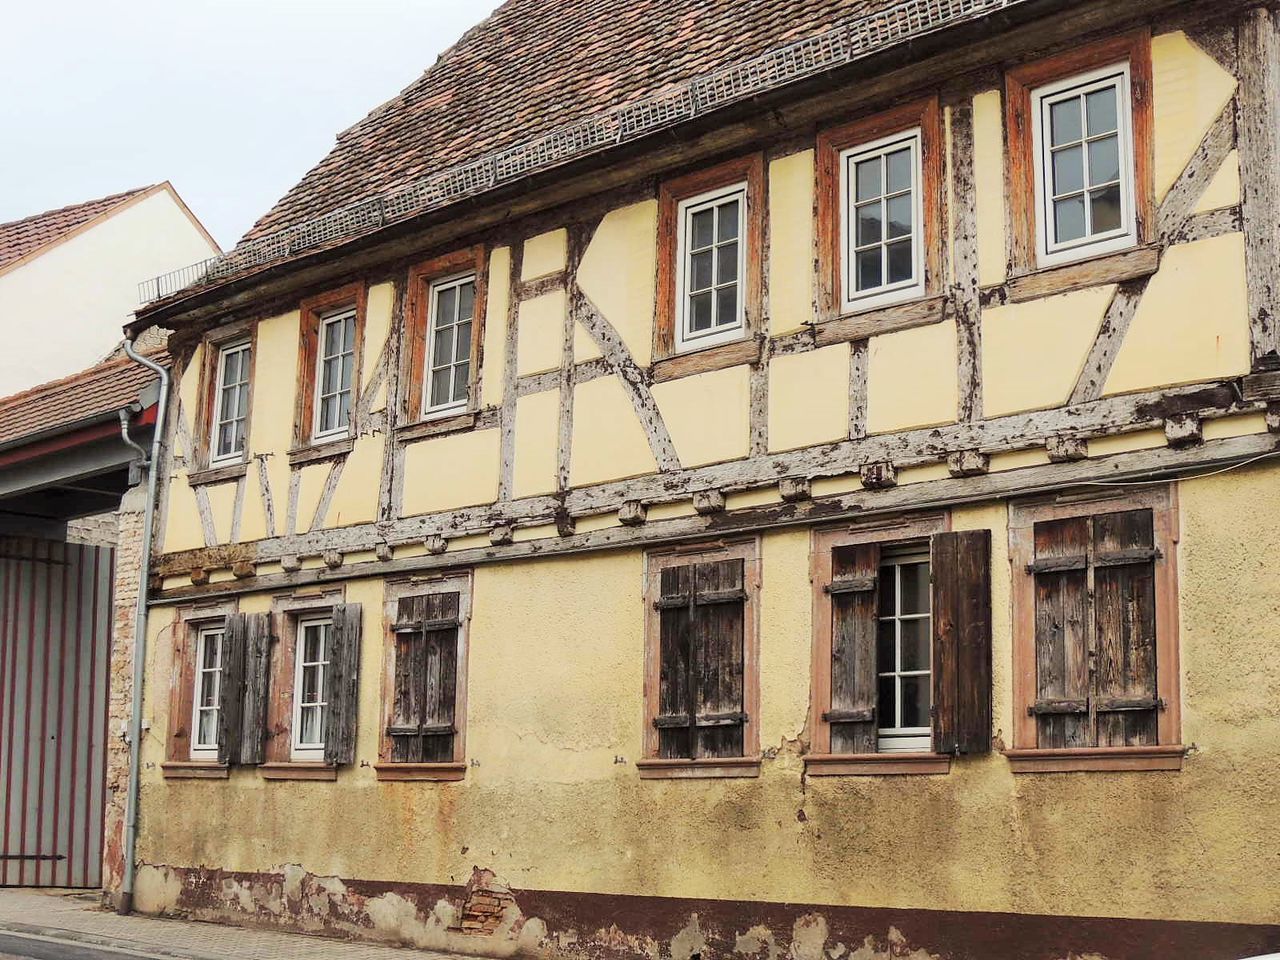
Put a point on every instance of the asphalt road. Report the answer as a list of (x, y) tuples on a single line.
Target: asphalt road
[(13, 946)]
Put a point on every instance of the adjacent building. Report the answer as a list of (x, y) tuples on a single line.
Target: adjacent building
[(784, 478)]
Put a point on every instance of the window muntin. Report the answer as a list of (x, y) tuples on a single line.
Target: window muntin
[(710, 265), (231, 400), (311, 666), (335, 370), (208, 691), (448, 350), (904, 650), (881, 221), (1084, 166)]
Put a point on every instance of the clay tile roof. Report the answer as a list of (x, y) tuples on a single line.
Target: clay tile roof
[(535, 65), (65, 403), (21, 237)]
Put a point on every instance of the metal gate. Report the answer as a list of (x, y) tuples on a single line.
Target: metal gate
[(55, 642)]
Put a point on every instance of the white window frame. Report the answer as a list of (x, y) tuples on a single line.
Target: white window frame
[(445, 409), (894, 739), (1048, 252), (206, 751), (335, 316), (686, 341), (300, 751), (239, 346), (851, 300)]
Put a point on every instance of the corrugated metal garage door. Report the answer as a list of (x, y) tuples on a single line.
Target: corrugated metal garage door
[(55, 642)]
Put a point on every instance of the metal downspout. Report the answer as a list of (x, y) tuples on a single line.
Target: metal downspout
[(151, 464)]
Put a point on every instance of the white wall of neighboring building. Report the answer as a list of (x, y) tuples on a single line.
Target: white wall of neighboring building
[(62, 310)]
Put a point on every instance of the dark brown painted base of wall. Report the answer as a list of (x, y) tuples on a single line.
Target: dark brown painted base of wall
[(588, 925)]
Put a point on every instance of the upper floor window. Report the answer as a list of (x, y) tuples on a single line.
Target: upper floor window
[(335, 373), (208, 692), (311, 678), (710, 257), (1084, 173), (448, 375), (231, 399)]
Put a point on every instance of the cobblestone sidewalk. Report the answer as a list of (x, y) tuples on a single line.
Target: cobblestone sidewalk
[(76, 917)]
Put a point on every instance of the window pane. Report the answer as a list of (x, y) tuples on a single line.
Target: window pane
[(727, 263), (311, 646), (230, 368), (227, 409), (310, 732), (1106, 209), (225, 437), (868, 179), (869, 269), (329, 376), (901, 263), (344, 409), (1068, 171), (700, 312), (915, 644), (888, 600), (1064, 121), (237, 444), (915, 588), (727, 306), (1104, 160), (886, 646), (349, 332), (211, 642), (700, 270), (348, 364), (728, 226), (886, 709), (310, 684), (462, 342), (899, 170), (898, 213), (331, 338), (442, 347), (1068, 219), (915, 701), (446, 300), (440, 387), (328, 413), (461, 373), (208, 735), (242, 399), (702, 229), (466, 300), (869, 224), (1101, 109)]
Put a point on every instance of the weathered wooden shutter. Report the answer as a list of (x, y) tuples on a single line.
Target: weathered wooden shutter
[(1061, 571), (1124, 609), (961, 571), (342, 685), (854, 590), (423, 723), (702, 627), (242, 703)]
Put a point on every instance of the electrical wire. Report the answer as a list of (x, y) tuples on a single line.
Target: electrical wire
[(1189, 476)]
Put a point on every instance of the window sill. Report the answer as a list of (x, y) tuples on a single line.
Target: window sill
[(921, 312), (328, 450), (709, 769), (437, 772), (706, 360), (876, 764), (298, 770), (1103, 269), (194, 770), (454, 423), (220, 474), (1073, 759)]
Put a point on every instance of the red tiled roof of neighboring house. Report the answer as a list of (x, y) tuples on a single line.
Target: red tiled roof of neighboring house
[(62, 404), (536, 65), (25, 236)]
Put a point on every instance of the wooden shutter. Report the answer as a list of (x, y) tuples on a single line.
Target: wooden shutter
[(1061, 571), (702, 626), (961, 573), (342, 685), (242, 702), (854, 590), (423, 724), (1124, 610), (231, 687)]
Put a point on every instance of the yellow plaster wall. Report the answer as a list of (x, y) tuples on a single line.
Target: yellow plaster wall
[(444, 473), (988, 183), (311, 481), (1032, 353), (1224, 189), (1189, 91), (495, 327), (355, 499), (809, 397), (377, 326), (707, 415), (584, 345), (540, 333), (253, 518), (544, 254), (552, 800), (912, 378), (537, 444), (271, 420), (618, 273), (1192, 323), (182, 529), (791, 213), (608, 441), (222, 502)]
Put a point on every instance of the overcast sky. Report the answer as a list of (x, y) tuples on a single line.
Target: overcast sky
[(230, 100)]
